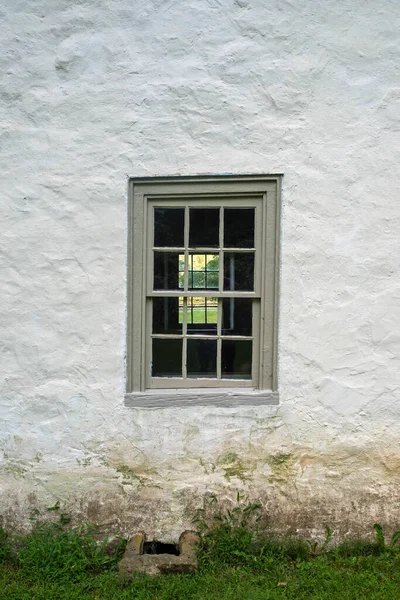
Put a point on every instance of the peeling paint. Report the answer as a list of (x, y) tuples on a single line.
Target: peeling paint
[(234, 467), (282, 468), (141, 475)]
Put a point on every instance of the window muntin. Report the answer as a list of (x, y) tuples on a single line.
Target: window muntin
[(198, 272)]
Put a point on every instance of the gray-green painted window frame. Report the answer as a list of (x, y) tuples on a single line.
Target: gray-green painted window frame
[(144, 191)]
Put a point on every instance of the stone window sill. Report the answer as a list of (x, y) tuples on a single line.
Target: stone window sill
[(184, 398)]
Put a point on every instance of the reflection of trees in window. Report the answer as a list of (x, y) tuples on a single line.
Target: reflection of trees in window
[(203, 271)]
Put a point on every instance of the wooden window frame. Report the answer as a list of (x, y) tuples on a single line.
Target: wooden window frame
[(145, 192)]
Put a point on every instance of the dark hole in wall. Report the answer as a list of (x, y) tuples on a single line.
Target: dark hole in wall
[(160, 548)]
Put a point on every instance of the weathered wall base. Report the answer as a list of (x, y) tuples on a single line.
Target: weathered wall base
[(302, 488)]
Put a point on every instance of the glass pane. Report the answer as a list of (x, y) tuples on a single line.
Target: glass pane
[(202, 315), (169, 227), (166, 271), (204, 227), (239, 271), (166, 315), (239, 227), (237, 316), (167, 358), (201, 358), (211, 280), (181, 277), (236, 359), (203, 271), (198, 279)]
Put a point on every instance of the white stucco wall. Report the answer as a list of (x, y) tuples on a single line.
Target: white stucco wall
[(94, 91)]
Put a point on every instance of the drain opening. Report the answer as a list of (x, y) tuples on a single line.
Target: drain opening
[(160, 548)]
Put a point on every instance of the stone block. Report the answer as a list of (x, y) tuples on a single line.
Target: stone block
[(187, 543)]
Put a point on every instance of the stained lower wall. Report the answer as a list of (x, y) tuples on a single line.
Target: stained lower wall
[(94, 92)]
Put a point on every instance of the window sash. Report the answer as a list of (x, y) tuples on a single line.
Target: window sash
[(217, 382), (220, 203), (255, 202)]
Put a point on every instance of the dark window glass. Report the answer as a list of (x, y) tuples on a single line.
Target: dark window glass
[(169, 227), (166, 270), (201, 358), (237, 316), (166, 315), (239, 227), (204, 227), (202, 315), (239, 271), (236, 358), (167, 358)]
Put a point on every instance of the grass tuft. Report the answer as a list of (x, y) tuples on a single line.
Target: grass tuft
[(51, 552)]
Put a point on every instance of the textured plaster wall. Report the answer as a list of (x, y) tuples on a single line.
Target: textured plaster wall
[(93, 91)]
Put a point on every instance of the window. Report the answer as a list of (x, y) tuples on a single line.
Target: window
[(203, 264)]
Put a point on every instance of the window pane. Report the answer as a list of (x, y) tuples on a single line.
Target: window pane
[(203, 271), (202, 315), (201, 358), (239, 271), (181, 277), (239, 227), (166, 271), (169, 227), (204, 227), (167, 358), (236, 359), (211, 280), (237, 316), (198, 279), (166, 315)]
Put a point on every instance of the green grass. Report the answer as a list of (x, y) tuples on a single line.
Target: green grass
[(322, 578), (199, 315)]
